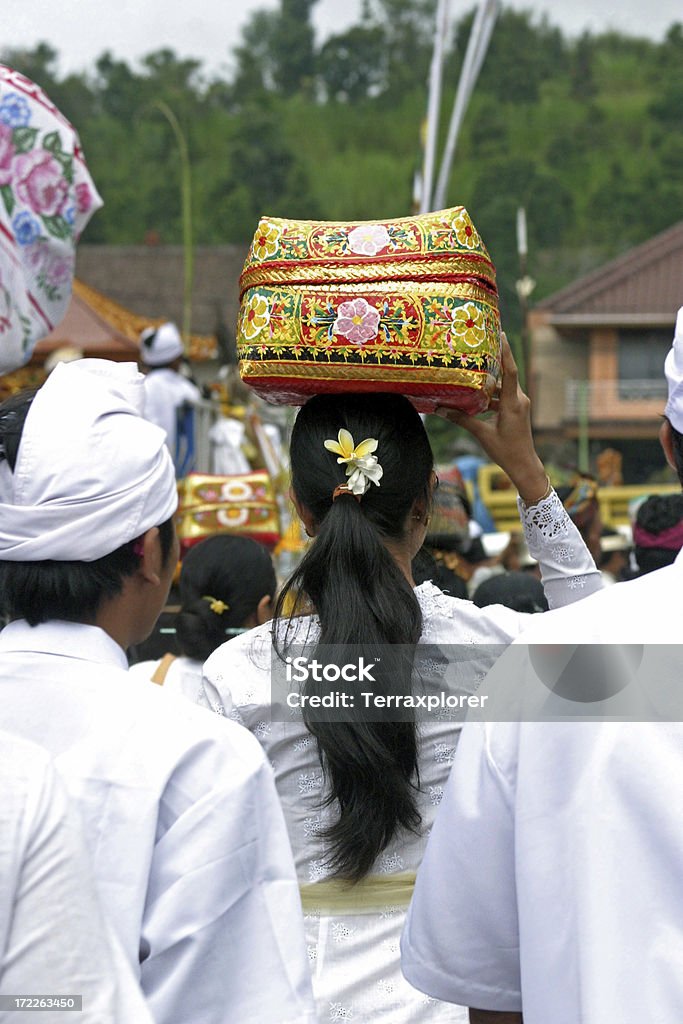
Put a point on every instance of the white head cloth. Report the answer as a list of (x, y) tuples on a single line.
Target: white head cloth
[(161, 345), (46, 198), (673, 369), (91, 473)]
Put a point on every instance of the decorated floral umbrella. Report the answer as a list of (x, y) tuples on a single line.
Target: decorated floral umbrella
[(46, 198)]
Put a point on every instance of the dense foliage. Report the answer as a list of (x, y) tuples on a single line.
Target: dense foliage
[(586, 133)]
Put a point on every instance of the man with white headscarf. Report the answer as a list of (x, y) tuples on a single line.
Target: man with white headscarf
[(168, 394), (188, 842), (552, 888), (46, 199)]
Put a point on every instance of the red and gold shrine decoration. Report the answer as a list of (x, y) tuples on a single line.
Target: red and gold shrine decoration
[(243, 504), (409, 306)]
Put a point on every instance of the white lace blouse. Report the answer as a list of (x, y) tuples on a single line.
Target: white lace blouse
[(355, 959)]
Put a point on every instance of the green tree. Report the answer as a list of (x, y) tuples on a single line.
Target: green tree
[(352, 65), (256, 68), (407, 28), (581, 72), (118, 87), (276, 52), (293, 49), (522, 55)]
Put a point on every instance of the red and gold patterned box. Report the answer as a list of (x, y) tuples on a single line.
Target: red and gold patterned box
[(243, 505), (409, 306)]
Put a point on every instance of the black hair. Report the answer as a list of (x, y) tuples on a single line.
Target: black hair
[(428, 567), (362, 599), (659, 513), (677, 443), (234, 571), (49, 589), (517, 590)]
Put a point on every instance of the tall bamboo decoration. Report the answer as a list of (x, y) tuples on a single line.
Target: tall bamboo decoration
[(186, 206)]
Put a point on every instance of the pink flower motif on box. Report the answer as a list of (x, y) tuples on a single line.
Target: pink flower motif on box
[(368, 239), (6, 154), (357, 321), (40, 182)]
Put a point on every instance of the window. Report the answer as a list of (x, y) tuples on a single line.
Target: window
[(641, 363)]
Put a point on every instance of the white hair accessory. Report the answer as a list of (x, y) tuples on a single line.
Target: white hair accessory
[(673, 370), (91, 474), (362, 467)]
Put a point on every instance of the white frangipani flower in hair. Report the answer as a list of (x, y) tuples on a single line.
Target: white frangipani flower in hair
[(362, 467)]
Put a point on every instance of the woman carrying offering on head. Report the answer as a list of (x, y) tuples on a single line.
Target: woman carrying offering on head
[(360, 795)]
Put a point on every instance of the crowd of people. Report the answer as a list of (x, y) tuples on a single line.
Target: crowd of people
[(180, 845)]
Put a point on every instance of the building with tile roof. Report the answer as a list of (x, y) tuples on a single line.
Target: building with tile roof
[(598, 349)]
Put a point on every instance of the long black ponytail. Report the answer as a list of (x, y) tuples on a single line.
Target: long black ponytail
[(362, 598)]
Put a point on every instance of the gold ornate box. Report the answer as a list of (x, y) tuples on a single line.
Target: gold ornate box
[(409, 306), (243, 504)]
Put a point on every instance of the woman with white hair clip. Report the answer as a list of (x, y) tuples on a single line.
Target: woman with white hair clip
[(360, 795)]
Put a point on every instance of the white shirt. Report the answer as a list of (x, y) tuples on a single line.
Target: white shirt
[(186, 834), (184, 676), (552, 879), (355, 958), (226, 437), (165, 391), (53, 940)]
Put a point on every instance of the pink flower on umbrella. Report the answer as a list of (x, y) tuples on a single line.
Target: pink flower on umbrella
[(357, 321), (368, 239), (6, 154), (58, 272), (83, 197), (36, 254), (40, 182)]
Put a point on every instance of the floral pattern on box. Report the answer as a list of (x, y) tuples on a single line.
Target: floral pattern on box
[(409, 305)]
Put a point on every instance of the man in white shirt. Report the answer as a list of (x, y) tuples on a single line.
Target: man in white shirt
[(188, 843), (167, 391), (53, 940), (552, 883)]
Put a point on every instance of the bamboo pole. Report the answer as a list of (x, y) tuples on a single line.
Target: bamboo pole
[(186, 206)]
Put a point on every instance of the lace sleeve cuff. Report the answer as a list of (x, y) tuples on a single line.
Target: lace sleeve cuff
[(568, 571), (544, 523)]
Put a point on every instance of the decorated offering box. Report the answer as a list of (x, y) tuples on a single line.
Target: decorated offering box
[(409, 306), (243, 504)]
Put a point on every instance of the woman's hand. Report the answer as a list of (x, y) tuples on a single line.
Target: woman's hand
[(506, 436)]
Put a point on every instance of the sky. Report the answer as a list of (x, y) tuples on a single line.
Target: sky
[(80, 30)]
